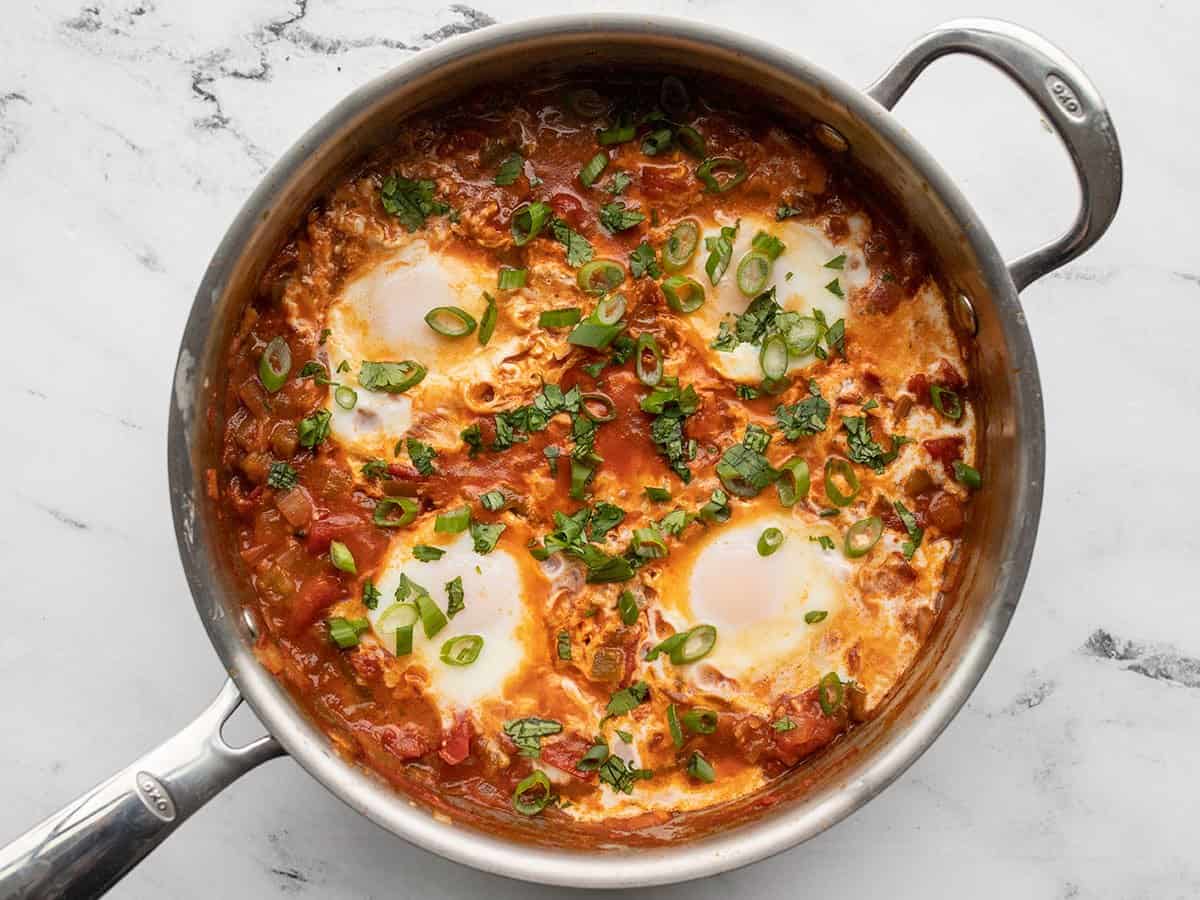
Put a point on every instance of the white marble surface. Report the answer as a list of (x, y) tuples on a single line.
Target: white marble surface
[(130, 133)]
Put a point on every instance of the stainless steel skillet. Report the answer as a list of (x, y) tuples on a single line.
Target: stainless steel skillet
[(87, 846)]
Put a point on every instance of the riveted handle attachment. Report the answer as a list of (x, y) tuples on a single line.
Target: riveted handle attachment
[(87, 846)]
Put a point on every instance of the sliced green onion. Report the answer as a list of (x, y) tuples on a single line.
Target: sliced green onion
[(462, 650), (794, 482), (492, 501), (967, 475), (770, 541), (946, 402), (275, 364), (433, 619), (691, 141), (830, 693), (511, 279), (450, 321), (610, 309), (721, 173), (533, 794), (700, 720), (406, 505), (769, 245), (803, 335), (342, 558), (426, 553), (487, 325), (593, 169), (814, 616), (453, 521), (586, 103), (647, 344), (657, 494), (681, 245), (862, 536), (773, 357), (564, 645), (600, 276), (616, 134), (673, 725), (628, 608), (753, 272), (700, 768), (836, 466), (590, 398), (696, 644), (684, 294), (595, 335), (581, 474), (404, 640), (528, 221), (560, 318), (657, 141), (344, 632), (648, 543), (399, 618), (345, 397)]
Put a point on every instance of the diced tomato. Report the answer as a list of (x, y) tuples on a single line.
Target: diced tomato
[(946, 513), (568, 207), (456, 745), (565, 753), (365, 540), (813, 728), (315, 595), (405, 741), (945, 450), (404, 472)]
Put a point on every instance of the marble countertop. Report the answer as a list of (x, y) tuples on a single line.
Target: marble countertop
[(130, 133)]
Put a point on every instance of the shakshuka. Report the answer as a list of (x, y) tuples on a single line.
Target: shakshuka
[(596, 450)]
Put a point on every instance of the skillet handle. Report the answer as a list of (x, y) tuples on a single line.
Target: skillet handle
[(89, 845), (1067, 99)]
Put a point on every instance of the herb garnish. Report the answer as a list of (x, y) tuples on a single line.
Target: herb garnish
[(411, 201), (807, 417), (670, 405)]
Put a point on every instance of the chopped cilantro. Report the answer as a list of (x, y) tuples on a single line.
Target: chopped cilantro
[(410, 201), (616, 216), (510, 170), (915, 532), (671, 405), (282, 477), (422, 456), (370, 594), (644, 262), (454, 594), (527, 734), (579, 251), (809, 416), (485, 536)]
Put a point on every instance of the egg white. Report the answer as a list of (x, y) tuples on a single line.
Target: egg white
[(758, 603), (807, 250), (380, 316), (494, 609)]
